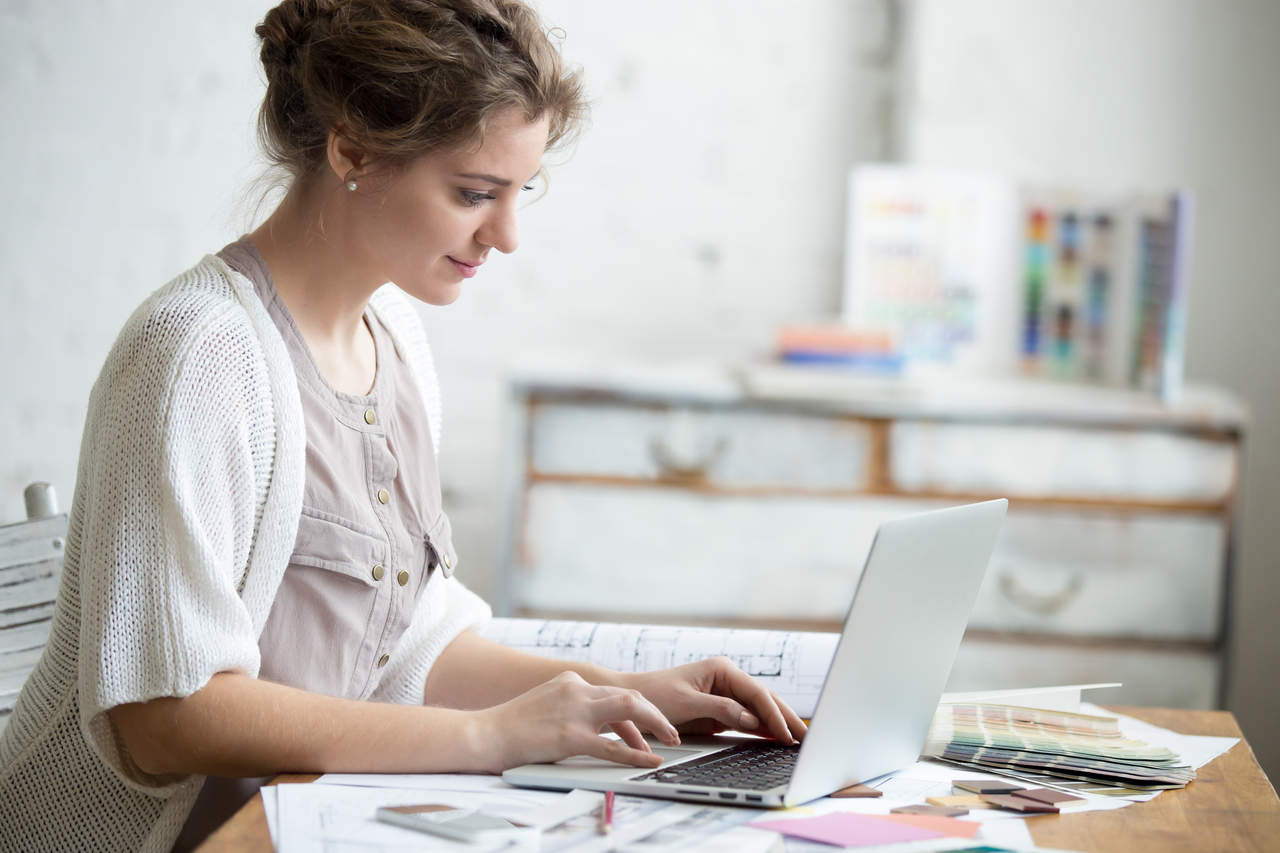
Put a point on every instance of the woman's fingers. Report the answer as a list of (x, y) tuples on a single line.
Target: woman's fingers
[(630, 735), (797, 726), (765, 703), (629, 705), (725, 710), (615, 751)]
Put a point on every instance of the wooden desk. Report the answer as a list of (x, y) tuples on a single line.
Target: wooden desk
[(1230, 808)]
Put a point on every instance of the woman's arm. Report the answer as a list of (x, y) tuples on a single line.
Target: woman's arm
[(704, 697), (239, 726)]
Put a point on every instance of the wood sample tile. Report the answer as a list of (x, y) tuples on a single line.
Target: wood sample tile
[(986, 786), (1048, 796), (1019, 804)]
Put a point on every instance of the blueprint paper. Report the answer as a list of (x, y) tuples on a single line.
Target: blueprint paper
[(794, 664)]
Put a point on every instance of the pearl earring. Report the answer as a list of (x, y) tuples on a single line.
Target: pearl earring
[(351, 185)]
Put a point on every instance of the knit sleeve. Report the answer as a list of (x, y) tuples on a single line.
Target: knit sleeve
[(172, 482)]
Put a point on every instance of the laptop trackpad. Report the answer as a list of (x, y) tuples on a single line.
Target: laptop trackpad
[(668, 754)]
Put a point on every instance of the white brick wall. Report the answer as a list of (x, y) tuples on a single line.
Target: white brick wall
[(704, 206), (126, 139), (1146, 94)]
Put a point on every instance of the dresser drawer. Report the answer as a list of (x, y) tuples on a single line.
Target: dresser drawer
[(1059, 462), (1094, 574), (657, 551), (1166, 678), (726, 448)]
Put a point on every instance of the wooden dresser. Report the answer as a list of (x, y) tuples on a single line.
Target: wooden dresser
[(750, 497)]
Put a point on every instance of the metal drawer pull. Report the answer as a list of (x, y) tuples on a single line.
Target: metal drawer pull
[(673, 468), (1045, 605)]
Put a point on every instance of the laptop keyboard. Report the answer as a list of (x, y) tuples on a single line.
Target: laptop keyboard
[(755, 767)]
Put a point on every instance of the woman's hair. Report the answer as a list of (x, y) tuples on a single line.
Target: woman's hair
[(403, 78)]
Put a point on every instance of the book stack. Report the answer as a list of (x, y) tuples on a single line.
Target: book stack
[(1047, 745), (30, 568), (833, 344)]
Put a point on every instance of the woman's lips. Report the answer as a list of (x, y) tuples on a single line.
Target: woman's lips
[(465, 270)]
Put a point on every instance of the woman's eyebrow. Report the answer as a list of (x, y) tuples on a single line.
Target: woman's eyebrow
[(492, 179), (502, 182)]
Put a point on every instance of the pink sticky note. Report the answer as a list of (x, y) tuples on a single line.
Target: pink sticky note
[(848, 830)]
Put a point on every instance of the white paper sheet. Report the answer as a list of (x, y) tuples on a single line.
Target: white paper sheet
[(792, 663), (475, 782), (269, 806), (1196, 750), (340, 819), (1006, 833)]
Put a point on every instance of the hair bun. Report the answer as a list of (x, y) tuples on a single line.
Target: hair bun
[(287, 27)]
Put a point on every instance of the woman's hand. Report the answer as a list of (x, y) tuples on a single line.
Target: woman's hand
[(714, 695), (565, 716)]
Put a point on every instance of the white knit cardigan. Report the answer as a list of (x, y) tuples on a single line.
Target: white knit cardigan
[(186, 507)]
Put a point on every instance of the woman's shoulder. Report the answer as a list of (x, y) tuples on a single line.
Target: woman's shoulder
[(202, 316), (189, 302)]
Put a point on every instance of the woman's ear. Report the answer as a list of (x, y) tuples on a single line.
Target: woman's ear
[(345, 157)]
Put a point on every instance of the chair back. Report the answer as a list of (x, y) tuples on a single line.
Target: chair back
[(30, 569)]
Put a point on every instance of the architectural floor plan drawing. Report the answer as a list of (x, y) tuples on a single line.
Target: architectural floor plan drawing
[(792, 663)]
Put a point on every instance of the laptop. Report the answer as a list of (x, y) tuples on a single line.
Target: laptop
[(909, 611)]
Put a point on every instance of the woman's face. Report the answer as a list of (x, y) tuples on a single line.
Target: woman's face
[(432, 226)]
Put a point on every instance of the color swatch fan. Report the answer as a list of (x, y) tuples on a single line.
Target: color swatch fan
[(1031, 744)]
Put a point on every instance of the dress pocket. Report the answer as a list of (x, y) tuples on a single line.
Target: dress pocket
[(321, 635), (328, 542), (440, 553)]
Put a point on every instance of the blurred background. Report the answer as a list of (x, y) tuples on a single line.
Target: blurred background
[(706, 208)]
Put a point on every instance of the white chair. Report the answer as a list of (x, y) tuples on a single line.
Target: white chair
[(30, 569)]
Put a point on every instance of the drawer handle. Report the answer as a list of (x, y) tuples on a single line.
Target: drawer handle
[(671, 468), (1045, 605)]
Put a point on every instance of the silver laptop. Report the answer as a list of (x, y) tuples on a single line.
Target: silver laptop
[(900, 638)]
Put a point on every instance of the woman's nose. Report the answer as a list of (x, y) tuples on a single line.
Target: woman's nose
[(499, 229)]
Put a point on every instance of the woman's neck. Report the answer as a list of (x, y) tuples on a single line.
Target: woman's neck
[(325, 283)]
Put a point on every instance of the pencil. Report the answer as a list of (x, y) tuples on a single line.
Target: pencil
[(606, 814)]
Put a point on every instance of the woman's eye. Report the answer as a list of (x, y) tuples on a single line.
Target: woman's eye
[(475, 199)]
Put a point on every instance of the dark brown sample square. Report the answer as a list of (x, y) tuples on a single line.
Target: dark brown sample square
[(1047, 796), (986, 786), (1018, 804)]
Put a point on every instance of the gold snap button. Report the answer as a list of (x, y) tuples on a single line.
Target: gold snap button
[(383, 496), (402, 578), (369, 416), (377, 573), (382, 661), (448, 561)]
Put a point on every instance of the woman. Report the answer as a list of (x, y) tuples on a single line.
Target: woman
[(256, 542)]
